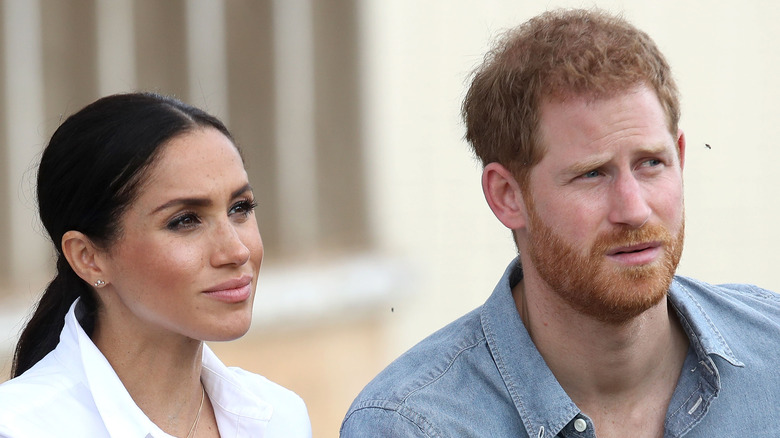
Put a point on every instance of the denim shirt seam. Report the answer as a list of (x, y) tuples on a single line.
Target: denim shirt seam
[(445, 370), (402, 407), (403, 410)]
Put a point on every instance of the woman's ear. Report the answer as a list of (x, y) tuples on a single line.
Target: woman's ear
[(83, 257), (504, 196)]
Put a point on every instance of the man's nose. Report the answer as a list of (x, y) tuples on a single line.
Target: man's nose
[(629, 204)]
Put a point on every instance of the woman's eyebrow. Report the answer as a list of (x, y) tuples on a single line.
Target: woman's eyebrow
[(198, 202)]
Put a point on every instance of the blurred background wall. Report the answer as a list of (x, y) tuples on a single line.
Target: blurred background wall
[(347, 111)]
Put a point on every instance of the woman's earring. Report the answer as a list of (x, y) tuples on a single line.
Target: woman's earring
[(99, 283)]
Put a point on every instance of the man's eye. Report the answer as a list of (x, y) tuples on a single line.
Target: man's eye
[(591, 174)]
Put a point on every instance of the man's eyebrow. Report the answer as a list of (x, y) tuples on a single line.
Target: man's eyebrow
[(585, 166), (594, 163), (199, 202)]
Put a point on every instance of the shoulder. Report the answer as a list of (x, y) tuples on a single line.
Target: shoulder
[(44, 384), (418, 387), (393, 421), (271, 392), (250, 398), (725, 298), (428, 361), (43, 400), (741, 320)]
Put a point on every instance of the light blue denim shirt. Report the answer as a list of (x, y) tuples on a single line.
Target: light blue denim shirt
[(482, 376)]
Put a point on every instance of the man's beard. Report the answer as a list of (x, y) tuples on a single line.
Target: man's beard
[(590, 283)]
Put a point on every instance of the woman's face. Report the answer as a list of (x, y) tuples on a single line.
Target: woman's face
[(189, 250)]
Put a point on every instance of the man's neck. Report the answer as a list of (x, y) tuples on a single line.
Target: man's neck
[(624, 372)]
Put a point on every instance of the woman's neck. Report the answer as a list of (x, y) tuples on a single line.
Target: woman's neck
[(161, 373)]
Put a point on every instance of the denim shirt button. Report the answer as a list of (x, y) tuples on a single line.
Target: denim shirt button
[(580, 425)]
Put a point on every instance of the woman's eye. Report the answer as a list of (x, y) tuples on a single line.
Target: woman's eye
[(244, 208), (183, 222)]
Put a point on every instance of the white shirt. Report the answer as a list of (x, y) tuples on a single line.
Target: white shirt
[(74, 392)]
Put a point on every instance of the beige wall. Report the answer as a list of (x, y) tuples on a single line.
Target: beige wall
[(383, 82), (725, 58)]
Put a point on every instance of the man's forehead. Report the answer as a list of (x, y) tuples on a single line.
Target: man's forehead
[(586, 106), (589, 97), (633, 117)]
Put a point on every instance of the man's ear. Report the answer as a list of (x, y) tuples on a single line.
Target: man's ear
[(504, 196), (681, 147), (83, 257)]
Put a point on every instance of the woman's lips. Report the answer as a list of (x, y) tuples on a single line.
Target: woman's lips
[(232, 291)]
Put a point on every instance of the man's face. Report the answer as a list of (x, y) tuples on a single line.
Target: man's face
[(605, 205)]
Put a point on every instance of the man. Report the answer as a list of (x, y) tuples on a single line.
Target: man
[(589, 332)]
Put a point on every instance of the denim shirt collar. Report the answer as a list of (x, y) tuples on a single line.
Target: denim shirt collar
[(704, 336), (541, 402), (543, 405)]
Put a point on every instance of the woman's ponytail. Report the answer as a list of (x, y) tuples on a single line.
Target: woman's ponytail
[(42, 332)]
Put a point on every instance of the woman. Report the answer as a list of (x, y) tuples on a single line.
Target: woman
[(151, 213)]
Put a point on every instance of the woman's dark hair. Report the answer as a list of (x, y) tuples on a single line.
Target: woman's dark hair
[(89, 174)]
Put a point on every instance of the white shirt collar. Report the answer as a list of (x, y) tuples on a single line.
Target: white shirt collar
[(238, 410), (120, 414), (74, 391), (238, 406)]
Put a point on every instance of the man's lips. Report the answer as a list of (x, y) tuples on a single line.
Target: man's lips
[(633, 248), (638, 254)]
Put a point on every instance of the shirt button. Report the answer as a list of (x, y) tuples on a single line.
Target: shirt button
[(580, 425)]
